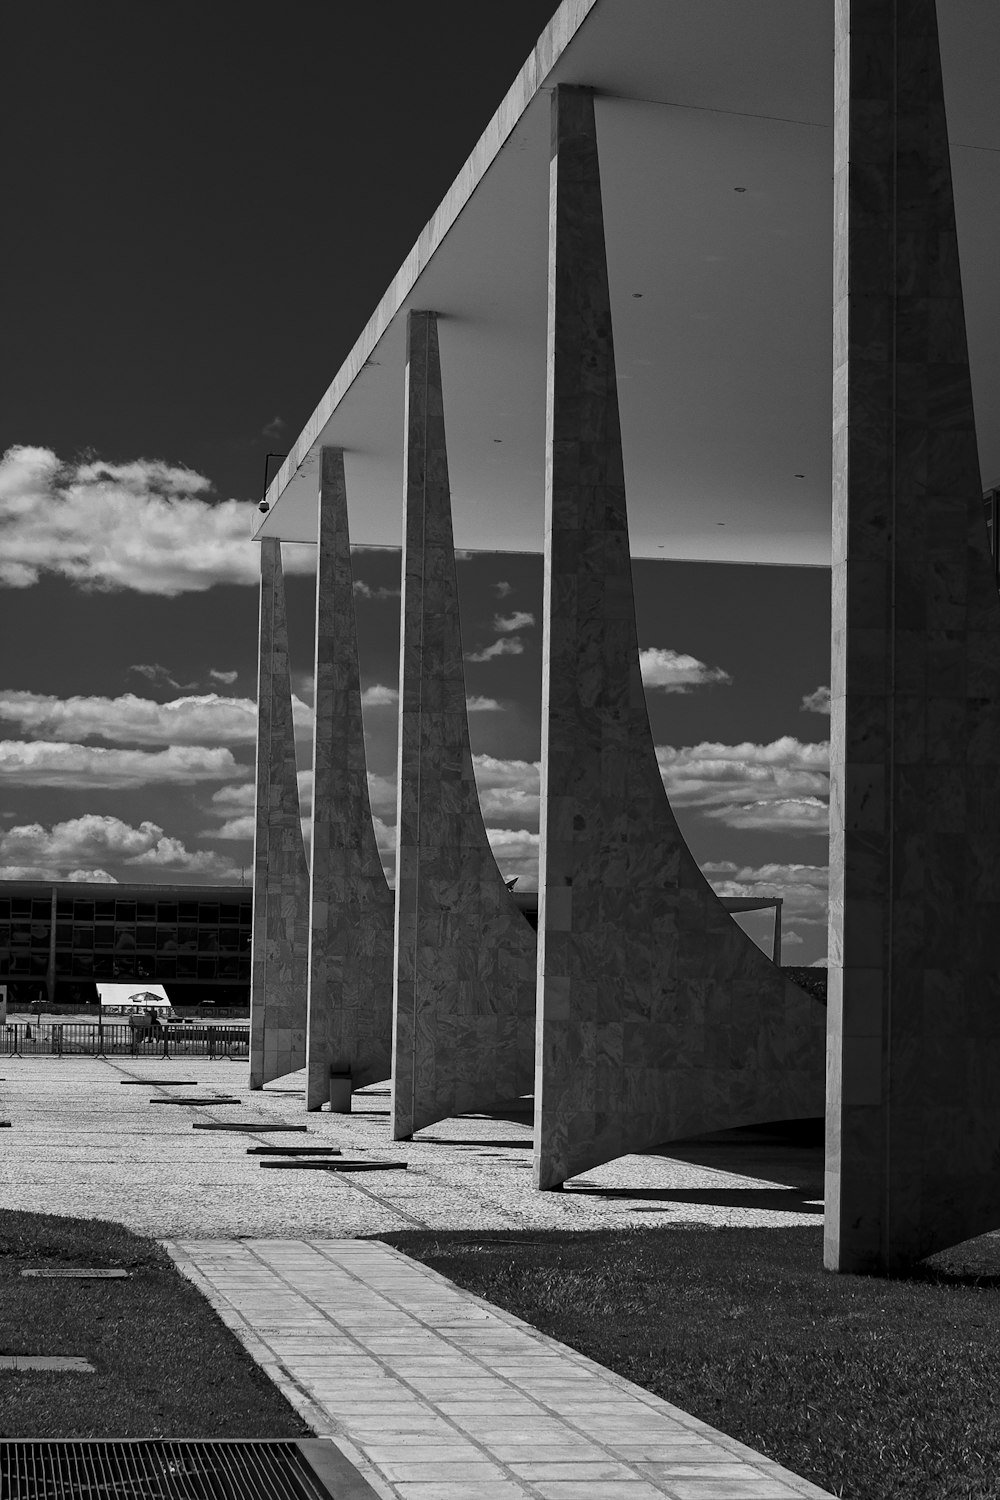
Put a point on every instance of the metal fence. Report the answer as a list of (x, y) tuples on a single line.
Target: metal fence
[(80, 1039)]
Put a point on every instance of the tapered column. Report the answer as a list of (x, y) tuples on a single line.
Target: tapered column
[(465, 955), (350, 946), (914, 980), (658, 1017), (281, 880)]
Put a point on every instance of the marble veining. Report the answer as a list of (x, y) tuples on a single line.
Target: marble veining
[(281, 879), (658, 1017), (464, 995), (351, 935), (913, 1120)]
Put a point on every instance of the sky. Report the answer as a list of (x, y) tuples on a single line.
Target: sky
[(209, 210)]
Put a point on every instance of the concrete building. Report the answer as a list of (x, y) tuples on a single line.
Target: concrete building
[(643, 281), (59, 938)]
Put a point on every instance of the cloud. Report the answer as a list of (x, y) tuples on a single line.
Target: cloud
[(239, 798), (503, 589), (235, 828), (796, 815), (817, 702), (480, 705), (673, 672), (516, 852), (207, 720), (365, 591), (45, 763), (508, 624), (803, 888), (81, 846), (272, 430), (508, 789), (715, 775), (507, 645), (791, 940), (378, 696), (161, 677), (226, 678), (146, 526), (44, 872)]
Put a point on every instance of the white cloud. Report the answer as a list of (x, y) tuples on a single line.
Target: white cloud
[(516, 852), (226, 678), (508, 789), (44, 763), (506, 645), (45, 872), (365, 591), (674, 672), (791, 940), (479, 705), (378, 696), (79, 848), (796, 815), (803, 888), (239, 798), (161, 677), (210, 719), (503, 588), (817, 702), (234, 828), (508, 624), (147, 526), (712, 775), (382, 795)]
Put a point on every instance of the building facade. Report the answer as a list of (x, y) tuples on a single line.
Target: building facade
[(59, 939)]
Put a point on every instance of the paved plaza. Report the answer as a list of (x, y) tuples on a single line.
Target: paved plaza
[(433, 1394)]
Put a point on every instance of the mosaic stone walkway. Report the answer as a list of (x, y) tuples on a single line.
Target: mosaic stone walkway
[(435, 1395)]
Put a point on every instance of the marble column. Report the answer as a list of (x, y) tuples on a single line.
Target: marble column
[(350, 945), (913, 1118), (463, 1029), (280, 876), (658, 1017)]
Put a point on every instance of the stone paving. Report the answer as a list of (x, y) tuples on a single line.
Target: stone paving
[(436, 1395), (83, 1144), (431, 1393)]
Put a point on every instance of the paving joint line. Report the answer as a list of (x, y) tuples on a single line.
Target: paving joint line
[(527, 1485)]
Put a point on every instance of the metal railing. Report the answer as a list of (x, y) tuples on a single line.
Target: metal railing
[(81, 1039)]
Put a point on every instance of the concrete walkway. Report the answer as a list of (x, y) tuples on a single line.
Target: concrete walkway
[(436, 1395)]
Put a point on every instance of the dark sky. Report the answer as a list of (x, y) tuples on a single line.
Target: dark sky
[(205, 202)]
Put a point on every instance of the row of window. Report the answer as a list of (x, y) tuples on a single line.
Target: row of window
[(125, 966), (38, 909), (130, 939)]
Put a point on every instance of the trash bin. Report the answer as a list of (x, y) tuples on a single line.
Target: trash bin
[(340, 1093)]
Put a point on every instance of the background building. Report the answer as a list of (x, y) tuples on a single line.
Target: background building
[(58, 938)]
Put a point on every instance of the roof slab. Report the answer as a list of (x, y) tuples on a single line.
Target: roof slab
[(715, 131)]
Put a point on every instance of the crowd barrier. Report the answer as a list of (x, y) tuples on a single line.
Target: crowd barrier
[(68, 1039)]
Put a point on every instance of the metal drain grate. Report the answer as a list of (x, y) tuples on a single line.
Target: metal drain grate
[(178, 1469)]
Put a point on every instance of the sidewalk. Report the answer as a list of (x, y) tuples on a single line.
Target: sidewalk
[(435, 1395)]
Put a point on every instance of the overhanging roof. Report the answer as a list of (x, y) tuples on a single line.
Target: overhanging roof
[(715, 133)]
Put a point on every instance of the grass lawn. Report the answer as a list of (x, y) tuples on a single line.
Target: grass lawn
[(166, 1366), (871, 1388)]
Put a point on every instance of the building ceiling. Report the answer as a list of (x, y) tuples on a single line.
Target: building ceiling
[(715, 133)]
